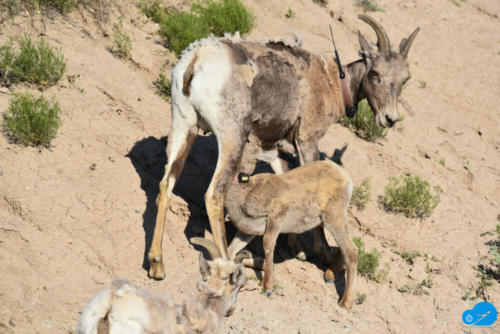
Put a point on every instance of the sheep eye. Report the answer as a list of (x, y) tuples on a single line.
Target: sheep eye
[(374, 75)]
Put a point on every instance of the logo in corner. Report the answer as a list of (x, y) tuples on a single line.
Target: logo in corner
[(482, 314)]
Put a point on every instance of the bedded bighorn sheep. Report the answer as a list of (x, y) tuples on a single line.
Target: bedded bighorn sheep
[(273, 91), (124, 308), (316, 194)]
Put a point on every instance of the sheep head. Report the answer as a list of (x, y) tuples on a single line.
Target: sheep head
[(222, 279)]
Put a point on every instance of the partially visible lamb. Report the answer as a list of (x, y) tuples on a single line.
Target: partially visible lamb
[(127, 309)]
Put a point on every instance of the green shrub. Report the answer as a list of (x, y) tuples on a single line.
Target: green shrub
[(33, 62), (361, 194), (14, 7), (63, 6), (122, 44), (495, 255), (410, 257), (163, 86), (369, 5), (360, 298), (364, 124), (181, 28), (31, 120), (6, 58), (153, 9), (368, 262), (224, 16), (411, 196), (37, 63)]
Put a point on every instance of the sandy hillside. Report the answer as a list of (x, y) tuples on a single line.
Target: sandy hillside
[(81, 213)]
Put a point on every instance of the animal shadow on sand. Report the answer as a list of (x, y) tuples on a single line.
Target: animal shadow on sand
[(148, 156)]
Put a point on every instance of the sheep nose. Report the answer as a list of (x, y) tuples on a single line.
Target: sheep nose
[(390, 121)]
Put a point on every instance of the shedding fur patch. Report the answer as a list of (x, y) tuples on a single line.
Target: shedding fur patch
[(188, 77), (294, 42)]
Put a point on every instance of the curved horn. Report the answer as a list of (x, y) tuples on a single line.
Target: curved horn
[(384, 45), (405, 45), (209, 245)]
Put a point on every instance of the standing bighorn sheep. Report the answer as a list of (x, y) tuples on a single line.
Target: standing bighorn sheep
[(274, 91), (316, 194), (124, 308)]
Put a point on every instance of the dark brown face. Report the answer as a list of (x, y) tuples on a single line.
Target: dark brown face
[(382, 85)]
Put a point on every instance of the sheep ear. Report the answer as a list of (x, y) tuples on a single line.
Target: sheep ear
[(366, 49), (204, 267)]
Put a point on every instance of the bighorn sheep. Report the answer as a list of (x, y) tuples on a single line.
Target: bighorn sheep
[(273, 91), (316, 194), (124, 308)]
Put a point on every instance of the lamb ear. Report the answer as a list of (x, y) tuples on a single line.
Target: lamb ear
[(366, 49)]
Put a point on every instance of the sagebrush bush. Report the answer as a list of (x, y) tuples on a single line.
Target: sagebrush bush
[(33, 62), (224, 16), (207, 17), (37, 62), (411, 195), (181, 29), (6, 58), (122, 44), (63, 6), (364, 124), (361, 194), (368, 262), (32, 120), (163, 86), (14, 7)]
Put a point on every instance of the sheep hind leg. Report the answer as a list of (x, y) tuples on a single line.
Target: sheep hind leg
[(179, 144), (338, 226), (321, 247), (269, 242)]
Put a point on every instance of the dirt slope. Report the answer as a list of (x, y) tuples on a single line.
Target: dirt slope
[(79, 214)]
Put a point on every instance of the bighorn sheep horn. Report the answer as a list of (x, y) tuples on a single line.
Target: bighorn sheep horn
[(384, 46), (405, 45), (209, 245)]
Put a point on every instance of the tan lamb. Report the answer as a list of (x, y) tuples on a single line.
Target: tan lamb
[(316, 194)]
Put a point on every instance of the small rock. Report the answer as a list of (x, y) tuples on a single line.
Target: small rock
[(4, 90)]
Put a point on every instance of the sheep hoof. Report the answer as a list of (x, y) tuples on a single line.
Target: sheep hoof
[(329, 276), (157, 269), (301, 256), (269, 293)]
